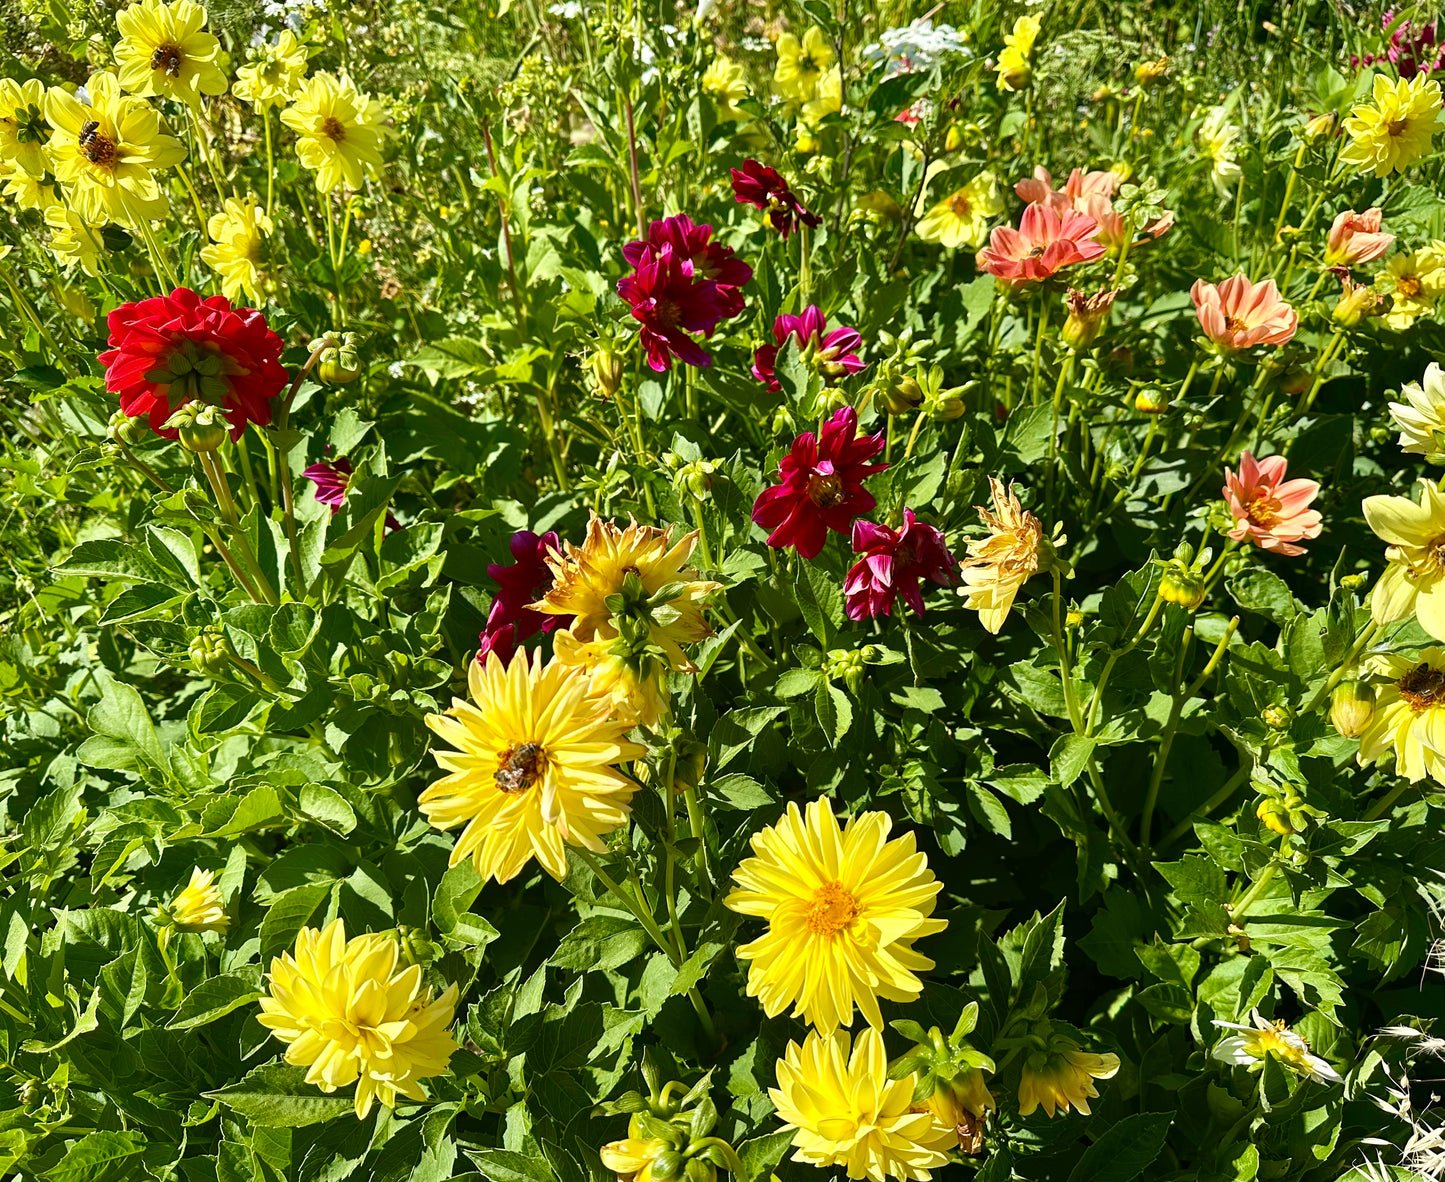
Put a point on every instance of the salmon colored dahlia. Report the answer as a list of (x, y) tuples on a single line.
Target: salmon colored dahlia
[(1039, 188), (1238, 314), (173, 349), (1044, 243), (1269, 510), (1355, 239)]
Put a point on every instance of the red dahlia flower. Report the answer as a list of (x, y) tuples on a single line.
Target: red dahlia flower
[(669, 303), (893, 561), (832, 352), (523, 582), (822, 485), (172, 349), (711, 262), (761, 186), (332, 479)]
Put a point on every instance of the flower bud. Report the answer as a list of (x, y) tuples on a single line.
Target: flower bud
[(900, 395), (607, 371), (1357, 301), (1320, 127), (953, 138), (1183, 583), (126, 430), (1150, 400), (1274, 816), (1146, 74), (944, 405), (210, 650), (199, 426), (1075, 618), (1351, 705), (340, 360), (1277, 717), (1087, 316)]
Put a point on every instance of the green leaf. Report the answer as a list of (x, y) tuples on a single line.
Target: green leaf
[(760, 1156), (327, 806), (101, 1156), (458, 887), (122, 715), (820, 599), (506, 1165), (1069, 756), (1125, 1150), (217, 997), (288, 915), (277, 1096), (1265, 593), (737, 791)]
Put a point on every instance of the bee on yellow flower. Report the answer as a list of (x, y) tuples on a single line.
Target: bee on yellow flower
[(1015, 62), (23, 129), (725, 80), (105, 152), (802, 65), (1271, 1040), (272, 76), (1061, 1077), (1407, 719), (74, 240), (1397, 128), (962, 218), (349, 1016), (999, 564), (164, 50), (235, 249), (199, 907), (1414, 579), (339, 130)]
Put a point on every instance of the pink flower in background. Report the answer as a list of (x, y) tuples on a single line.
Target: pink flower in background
[(1044, 243), (1355, 238), (821, 486), (1272, 512), (832, 352), (710, 262), (332, 478), (1238, 314), (893, 562), (1412, 51), (521, 583), (762, 186), (669, 303)]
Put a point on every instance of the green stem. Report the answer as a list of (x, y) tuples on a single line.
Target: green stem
[(1114, 657), (1203, 810), (1387, 802), (1241, 909), (270, 161), (1371, 631)]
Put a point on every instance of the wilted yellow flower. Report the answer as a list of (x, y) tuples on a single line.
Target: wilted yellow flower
[(1062, 1077), (1271, 1040), (848, 1113), (199, 907), (349, 1016), (585, 576), (634, 686), (1414, 580), (1421, 417), (74, 240), (534, 768), (998, 565), (1014, 60), (843, 909), (961, 1104), (802, 65), (339, 130), (1357, 300), (1396, 129), (235, 249), (1148, 73), (1415, 281), (271, 77), (725, 80), (1408, 717), (23, 129), (105, 152), (962, 218), (164, 50), (1217, 137)]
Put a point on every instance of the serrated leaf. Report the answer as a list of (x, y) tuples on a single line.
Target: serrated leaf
[(277, 1096)]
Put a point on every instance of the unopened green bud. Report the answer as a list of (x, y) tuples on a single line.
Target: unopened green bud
[(127, 430), (1351, 705), (1182, 585), (340, 358), (210, 650), (607, 371), (667, 1165), (900, 395), (200, 426), (1277, 717)]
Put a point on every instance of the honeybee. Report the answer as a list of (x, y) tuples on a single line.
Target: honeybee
[(88, 132), (94, 146), (521, 769)]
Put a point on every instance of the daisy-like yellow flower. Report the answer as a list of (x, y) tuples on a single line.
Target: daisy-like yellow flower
[(105, 153), (586, 576), (1421, 416), (1407, 719), (28, 190), (199, 907), (726, 81), (828, 100), (634, 686), (634, 1157), (235, 250), (74, 240), (836, 1093), (339, 129), (1272, 1040), (843, 909), (534, 770), (1000, 564), (23, 129), (1414, 580), (1217, 138), (1395, 130), (349, 1016), (802, 65), (272, 76), (962, 218), (164, 50), (1415, 282), (1014, 66), (1062, 1077)]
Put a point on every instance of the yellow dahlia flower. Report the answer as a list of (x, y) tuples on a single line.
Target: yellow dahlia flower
[(725, 80), (1272, 1040), (349, 1016), (585, 576), (1415, 281), (1421, 416), (1408, 716), (998, 565), (273, 74), (199, 907), (1014, 66), (23, 130), (635, 687), (235, 249), (843, 909), (633, 1158), (1395, 130), (962, 218), (1217, 138), (105, 152), (164, 50), (339, 130), (534, 768), (1062, 1077), (848, 1113), (802, 65), (1414, 580), (27, 190), (74, 240), (828, 99)]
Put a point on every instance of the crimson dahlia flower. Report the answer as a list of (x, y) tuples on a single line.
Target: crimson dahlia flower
[(832, 352), (763, 187), (711, 262), (821, 485), (893, 562), (669, 303), (524, 581), (170, 350)]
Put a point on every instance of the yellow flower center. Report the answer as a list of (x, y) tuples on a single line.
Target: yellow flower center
[(831, 910), (1235, 324), (1396, 127), (95, 147), (168, 59), (824, 491), (1408, 286), (521, 767), (1261, 511), (958, 203), (333, 129), (1422, 687)]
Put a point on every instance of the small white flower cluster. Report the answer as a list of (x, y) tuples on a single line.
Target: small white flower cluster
[(915, 47)]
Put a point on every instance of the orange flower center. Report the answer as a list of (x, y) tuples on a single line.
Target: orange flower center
[(1397, 127), (1422, 687), (1261, 511), (521, 767), (825, 491), (1235, 324), (1407, 285), (831, 910), (959, 204)]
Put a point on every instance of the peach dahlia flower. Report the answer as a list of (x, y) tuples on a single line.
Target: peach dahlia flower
[(1269, 510), (1044, 243), (1238, 314), (1355, 239)]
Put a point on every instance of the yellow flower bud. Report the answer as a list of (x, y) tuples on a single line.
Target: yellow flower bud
[(1351, 705)]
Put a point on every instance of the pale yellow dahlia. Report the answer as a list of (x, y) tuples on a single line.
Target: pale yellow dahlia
[(725, 80), (1408, 716), (273, 74), (1395, 130), (635, 686), (105, 153), (1015, 60), (164, 50), (585, 576), (74, 240), (1271, 1040), (1218, 139), (843, 909), (339, 131), (27, 190), (1414, 580), (1421, 417), (962, 218), (23, 129), (802, 65), (848, 1113), (349, 1016), (234, 252), (534, 768), (199, 907), (1062, 1077), (1415, 281), (1000, 564)]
